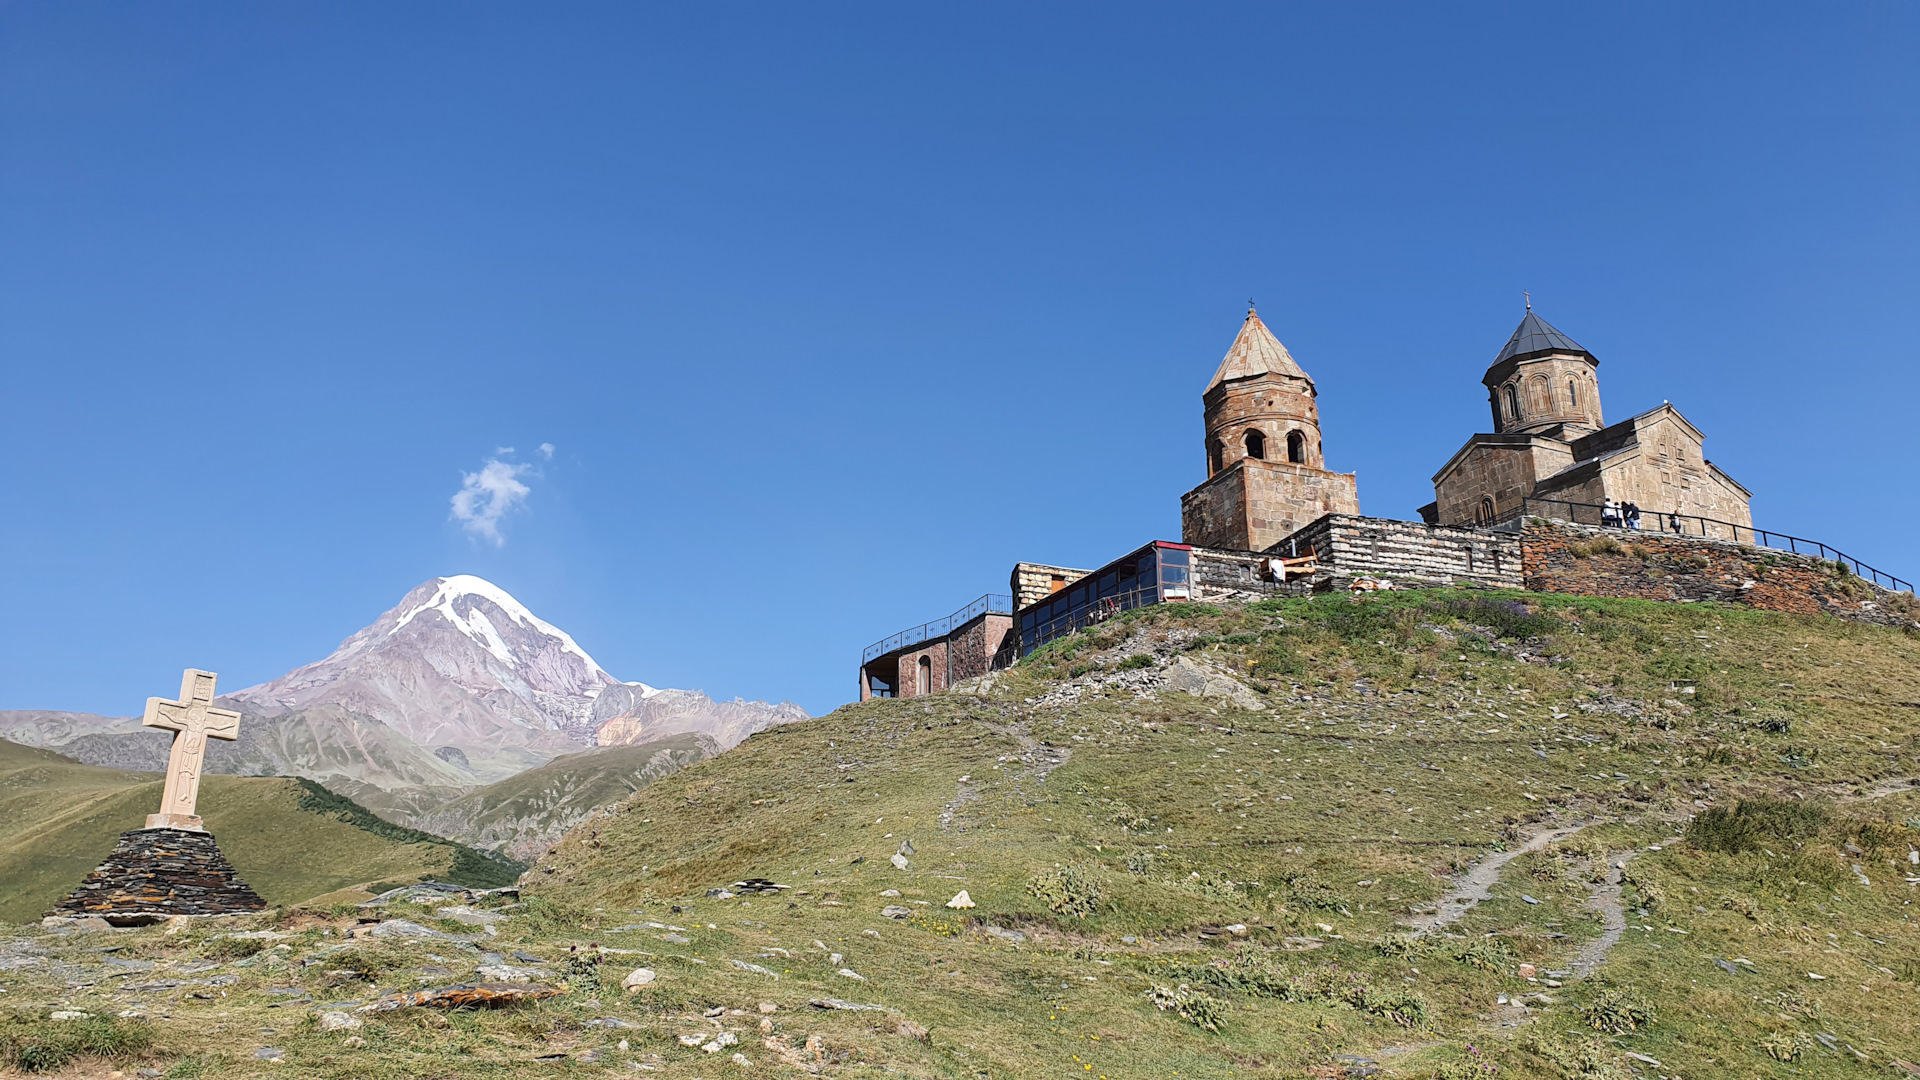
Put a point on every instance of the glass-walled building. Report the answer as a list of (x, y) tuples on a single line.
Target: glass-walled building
[(1150, 575)]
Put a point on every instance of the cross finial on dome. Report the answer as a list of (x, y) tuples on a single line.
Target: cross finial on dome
[(1250, 311), (1529, 298)]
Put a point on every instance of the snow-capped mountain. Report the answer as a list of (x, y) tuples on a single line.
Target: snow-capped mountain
[(461, 668)]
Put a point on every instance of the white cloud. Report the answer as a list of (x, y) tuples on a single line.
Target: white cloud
[(488, 495), (546, 450)]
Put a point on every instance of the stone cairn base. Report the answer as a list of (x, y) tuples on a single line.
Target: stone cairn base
[(155, 874)]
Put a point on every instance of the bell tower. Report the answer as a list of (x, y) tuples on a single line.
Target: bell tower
[(1266, 469)]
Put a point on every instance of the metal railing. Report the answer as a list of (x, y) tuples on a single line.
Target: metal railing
[(995, 603), (1094, 611), (1693, 525)]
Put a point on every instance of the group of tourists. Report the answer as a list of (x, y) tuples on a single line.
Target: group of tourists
[(1619, 515), (1625, 515)]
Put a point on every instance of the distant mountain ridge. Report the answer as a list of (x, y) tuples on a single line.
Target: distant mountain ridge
[(456, 687)]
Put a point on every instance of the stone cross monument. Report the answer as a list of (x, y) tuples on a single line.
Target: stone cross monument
[(193, 720), (172, 867)]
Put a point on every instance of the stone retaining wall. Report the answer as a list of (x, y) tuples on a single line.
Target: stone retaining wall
[(1407, 553), (155, 874), (1593, 561)]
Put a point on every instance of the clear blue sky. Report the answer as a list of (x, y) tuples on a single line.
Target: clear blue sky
[(829, 316)]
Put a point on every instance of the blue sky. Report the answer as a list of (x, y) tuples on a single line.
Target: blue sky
[(829, 316)]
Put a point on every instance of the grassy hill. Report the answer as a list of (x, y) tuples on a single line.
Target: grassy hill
[(1299, 838), (290, 839)]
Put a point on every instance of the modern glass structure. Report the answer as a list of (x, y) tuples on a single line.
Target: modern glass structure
[(1150, 575)]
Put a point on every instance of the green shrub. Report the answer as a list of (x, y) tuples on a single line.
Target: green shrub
[(1402, 946), (1066, 890), (1509, 618), (1132, 663), (1307, 890), (1196, 1007), (229, 948), (1486, 954), (1752, 824), (1617, 1011)]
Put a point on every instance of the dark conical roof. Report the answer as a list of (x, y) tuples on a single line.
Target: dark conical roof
[(1537, 335)]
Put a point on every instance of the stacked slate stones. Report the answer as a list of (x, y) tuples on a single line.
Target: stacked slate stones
[(155, 874)]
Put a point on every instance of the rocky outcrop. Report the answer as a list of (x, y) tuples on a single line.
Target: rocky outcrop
[(155, 874)]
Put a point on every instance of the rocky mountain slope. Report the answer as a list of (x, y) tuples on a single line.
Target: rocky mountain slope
[(63, 818), (456, 687), (523, 815)]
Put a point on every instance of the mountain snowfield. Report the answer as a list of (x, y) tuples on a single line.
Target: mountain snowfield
[(457, 686)]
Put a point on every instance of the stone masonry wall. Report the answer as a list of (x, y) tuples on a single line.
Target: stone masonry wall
[(971, 647), (1234, 575), (1033, 582), (1408, 552), (1560, 557), (154, 874)]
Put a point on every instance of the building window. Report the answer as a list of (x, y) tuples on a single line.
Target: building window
[(1513, 404), (1059, 582), (1485, 513), (1573, 393), (1296, 448), (1256, 445), (925, 683), (1542, 396), (1216, 457)]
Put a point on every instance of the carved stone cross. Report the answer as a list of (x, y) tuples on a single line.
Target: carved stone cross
[(193, 720)]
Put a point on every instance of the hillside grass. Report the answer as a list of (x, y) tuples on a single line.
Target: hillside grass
[(64, 817), (1403, 738)]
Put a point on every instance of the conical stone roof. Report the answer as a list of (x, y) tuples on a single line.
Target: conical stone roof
[(1256, 352), (1537, 335)]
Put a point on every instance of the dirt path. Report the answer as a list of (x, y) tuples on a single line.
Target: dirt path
[(1899, 785), (1607, 901), (1479, 882)]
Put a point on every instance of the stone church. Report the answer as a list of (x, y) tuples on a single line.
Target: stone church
[(1266, 468), (1551, 442)]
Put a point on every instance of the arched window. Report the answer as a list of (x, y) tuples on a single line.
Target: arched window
[(1256, 444), (1296, 447), (1216, 457), (1542, 392), (1513, 404), (925, 683), (1573, 393), (1485, 513)]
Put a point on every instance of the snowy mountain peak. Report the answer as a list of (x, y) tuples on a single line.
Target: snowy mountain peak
[(475, 624)]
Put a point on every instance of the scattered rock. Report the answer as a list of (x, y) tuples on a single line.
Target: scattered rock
[(353, 1042), (721, 1042), (1003, 933), (509, 973), (906, 848), (338, 1021), (889, 892), (638, 978), (70, 1014), (895, 911), (755, 968), (742, 1061), (769, 1008), (270, 1053), (852, 974), (899, 861), (464, 996), (1187, 675), (1238, 930), (960, 901), (759, 885), (720, 894)]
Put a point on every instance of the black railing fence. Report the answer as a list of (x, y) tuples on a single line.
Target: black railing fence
[(1672, 524), (997, 603), (1094, 611)]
